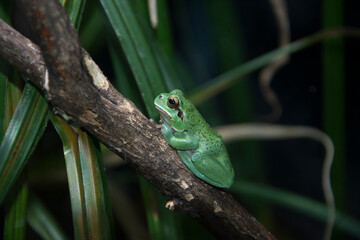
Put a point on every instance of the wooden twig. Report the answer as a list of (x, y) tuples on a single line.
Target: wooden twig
[(74, 83)]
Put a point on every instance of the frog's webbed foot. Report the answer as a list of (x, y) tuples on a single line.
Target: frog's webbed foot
[(166, 132), (158, 126)]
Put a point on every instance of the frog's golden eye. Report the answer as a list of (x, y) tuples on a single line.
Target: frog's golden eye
[(173, 102)]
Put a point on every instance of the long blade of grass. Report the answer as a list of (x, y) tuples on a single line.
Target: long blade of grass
[(167, 69), (158, 41), (89, 198), (162, 43), (334, 109), (228, 79), (126, 210), (98, 210), (24, 131), (15, 203), (137, 50), (152, 211), (92, 27), (123, 80), (13, 95), (4, 71), (41, 220), (163, 29), (75, 10), (297, 203), (74, 174), (15, 215), (3, 83)]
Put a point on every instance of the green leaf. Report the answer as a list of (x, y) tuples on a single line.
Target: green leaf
[(3, 87), (92, 26), (152, 212), (163, 30), (75, 10), (15, 215), (333, 92), (21, 137), (95, 187), (41, 220), (228, 79), (137, 50), (168, 72), (5, 9), (74, 174), (159, 44), (334, 108), (88, 190), (297, 203), (123, 82)]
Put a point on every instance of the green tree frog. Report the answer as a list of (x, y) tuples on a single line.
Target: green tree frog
[(200, 147)]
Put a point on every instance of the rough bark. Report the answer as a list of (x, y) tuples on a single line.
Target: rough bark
[(73, 83)]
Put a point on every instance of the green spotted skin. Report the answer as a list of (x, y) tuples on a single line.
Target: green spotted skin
[(200, 147)]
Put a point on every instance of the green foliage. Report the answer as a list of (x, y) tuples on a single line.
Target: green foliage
[(87, 184), (41, 220), (24, 131), (137, 50), (296, 203), (15, 216)]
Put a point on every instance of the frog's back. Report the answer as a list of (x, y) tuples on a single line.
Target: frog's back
[(196, 124), (209, 139)]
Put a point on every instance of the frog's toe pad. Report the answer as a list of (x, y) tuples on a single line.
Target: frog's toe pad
[(172, 204)]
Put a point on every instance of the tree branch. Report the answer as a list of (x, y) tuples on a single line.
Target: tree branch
[(77, 86)]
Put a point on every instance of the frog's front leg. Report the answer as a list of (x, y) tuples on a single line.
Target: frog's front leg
[(179, 140)]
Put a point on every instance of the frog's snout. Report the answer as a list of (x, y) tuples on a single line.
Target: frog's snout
[(161, 96)]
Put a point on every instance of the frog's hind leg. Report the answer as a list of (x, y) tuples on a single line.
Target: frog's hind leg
[(186, 157), (216, 174)]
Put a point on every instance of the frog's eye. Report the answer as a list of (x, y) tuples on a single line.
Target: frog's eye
[(173, 102)]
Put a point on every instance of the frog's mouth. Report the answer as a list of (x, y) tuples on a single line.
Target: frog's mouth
[(165, 116)]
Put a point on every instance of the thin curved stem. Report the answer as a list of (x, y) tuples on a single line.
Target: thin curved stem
[(228, 79), (274, 132), (267, 73)]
